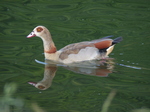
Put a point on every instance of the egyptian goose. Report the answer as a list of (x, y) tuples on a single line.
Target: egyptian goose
[(76, 52)]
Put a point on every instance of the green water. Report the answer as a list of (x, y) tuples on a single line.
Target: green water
[(73, 21)]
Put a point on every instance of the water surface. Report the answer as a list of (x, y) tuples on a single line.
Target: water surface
[(70, 22)]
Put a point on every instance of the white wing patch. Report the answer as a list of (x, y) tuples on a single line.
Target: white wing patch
[(88, 53), (109, 50)]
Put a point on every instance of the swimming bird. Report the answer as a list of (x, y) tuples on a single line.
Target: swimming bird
[(76, 52)]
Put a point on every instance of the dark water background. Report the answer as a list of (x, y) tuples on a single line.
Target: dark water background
[(73, 21)]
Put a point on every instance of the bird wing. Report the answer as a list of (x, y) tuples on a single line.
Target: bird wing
[(76, 47)]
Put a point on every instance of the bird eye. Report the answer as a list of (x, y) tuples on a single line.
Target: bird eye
[(39, 29)]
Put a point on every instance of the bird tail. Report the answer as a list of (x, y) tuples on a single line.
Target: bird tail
[(117, 40)]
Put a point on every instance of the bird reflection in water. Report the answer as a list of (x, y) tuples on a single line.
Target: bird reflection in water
[(94, 68)]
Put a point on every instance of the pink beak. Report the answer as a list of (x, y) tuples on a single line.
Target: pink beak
[(32, 83), (32, 34)]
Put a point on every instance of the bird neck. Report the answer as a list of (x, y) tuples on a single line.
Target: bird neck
[(49, 46)]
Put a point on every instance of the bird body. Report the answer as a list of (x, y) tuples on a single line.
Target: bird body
[(76, 52)]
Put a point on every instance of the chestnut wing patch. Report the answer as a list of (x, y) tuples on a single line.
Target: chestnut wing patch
[(103, 44)]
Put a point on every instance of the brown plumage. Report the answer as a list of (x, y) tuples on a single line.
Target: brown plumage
[(82, 51)]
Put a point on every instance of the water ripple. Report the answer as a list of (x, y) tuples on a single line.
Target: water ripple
[(132, 6), (82, 81), (53, 18), (4, 17), (70, 22)]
